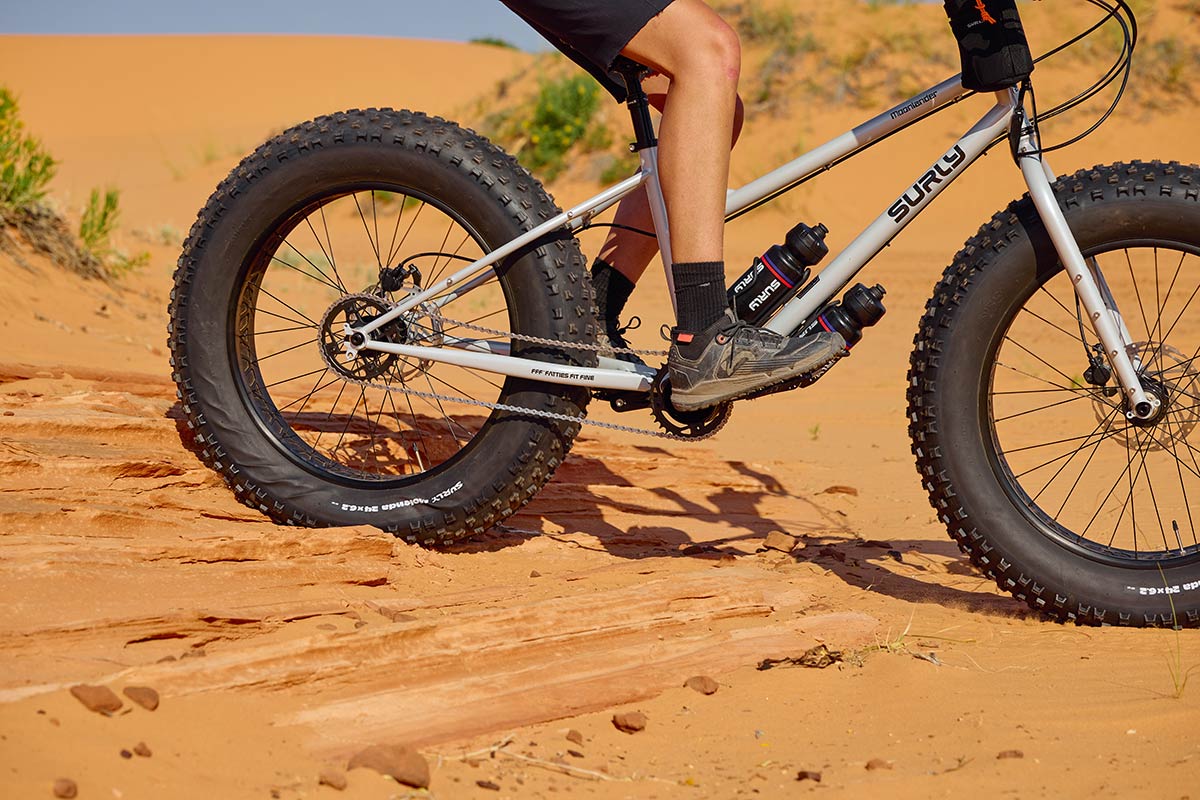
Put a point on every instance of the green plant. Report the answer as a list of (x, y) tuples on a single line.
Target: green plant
[(493, 41), (561, 116), (1179, 675), (96, 227), (25, 168)]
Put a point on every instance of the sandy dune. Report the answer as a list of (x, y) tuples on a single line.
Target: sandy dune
[(278, 651)]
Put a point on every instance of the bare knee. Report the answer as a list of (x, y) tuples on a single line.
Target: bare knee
[(714, 53)]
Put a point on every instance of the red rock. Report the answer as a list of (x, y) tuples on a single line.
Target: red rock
[(142, 750), (702, 684), (405, 765), (1010, 754), (144, 696), (126, 753), (100, 699), (333, 778), (65, 787), (575, 736), (629, 721), (533, 573), (495, 787), (777, 540), (836, 489), (878, 763), (808, 775)]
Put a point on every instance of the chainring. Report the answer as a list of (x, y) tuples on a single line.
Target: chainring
[(356, 310), (698, 424)]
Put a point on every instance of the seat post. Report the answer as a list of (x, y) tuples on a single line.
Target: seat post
[(638, 104)]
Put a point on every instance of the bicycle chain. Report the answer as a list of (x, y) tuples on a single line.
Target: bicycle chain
[(533, 412)]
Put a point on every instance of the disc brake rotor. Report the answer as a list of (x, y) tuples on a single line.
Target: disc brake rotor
[(1174, 375)]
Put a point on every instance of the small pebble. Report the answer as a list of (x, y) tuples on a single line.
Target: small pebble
[(533, 573), (629, 721), (777, 540), (100, 699), (333, 778), (495, 787), (1010, 754), (144, 696), (126, 754), (575, 736), (702, 684), (65, 787), (575, 753), (142, 750), (878, 763), (808, 775)]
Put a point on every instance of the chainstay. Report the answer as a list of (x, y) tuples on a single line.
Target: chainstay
[(532, 412)]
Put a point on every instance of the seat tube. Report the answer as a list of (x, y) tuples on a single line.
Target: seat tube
[(658, 211)]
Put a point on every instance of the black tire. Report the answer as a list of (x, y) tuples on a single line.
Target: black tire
[(431, 492), (1004, 414)]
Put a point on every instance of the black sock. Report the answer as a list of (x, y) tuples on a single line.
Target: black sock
[(700, 298), (612, 291)]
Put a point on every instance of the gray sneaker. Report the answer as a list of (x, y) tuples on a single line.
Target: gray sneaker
[(737, 359)]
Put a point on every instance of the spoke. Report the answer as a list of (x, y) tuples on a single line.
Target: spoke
[(450, 258), (285, 319), (362, 394), (327, 252), (329, 241), (1129, 503), (1078, 478), (1073, 315), (1043, 408), (288, 307), (396, 230), (1167, 298), (477, 374), (1073, 389), (1104, 502), (1039, 358), (294, 377), (1067, 455), (1181, 313), (1182, 487), (284, 330), (329, 416), (1137, 293), (1048, 444), (374, 247), (1074, 453), (407, 231), (1153, 495), (1072, 336), (449, 422), (416, 425), (285, 350), (328, 281), (318, 386)]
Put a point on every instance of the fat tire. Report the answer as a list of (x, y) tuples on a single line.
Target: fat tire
[(966, 315), (547, 287)]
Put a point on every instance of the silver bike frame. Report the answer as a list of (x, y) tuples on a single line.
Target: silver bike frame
[(619, 375)]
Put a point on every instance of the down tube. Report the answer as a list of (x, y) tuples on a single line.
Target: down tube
[(879, 233)]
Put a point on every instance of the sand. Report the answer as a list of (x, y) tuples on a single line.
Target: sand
[(279, 652)]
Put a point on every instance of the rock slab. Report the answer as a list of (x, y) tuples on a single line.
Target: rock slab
[(702, 684), (144, 696)]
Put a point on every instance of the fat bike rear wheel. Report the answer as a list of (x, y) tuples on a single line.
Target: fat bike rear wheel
[(329, 223), (1018, 426)]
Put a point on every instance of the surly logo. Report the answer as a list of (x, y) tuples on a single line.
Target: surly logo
[(764, 295), (919, 190)]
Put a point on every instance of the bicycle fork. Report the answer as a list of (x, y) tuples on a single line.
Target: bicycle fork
[(1090, 287)]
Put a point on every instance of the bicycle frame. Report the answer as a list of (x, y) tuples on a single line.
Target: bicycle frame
[(1006, 115)]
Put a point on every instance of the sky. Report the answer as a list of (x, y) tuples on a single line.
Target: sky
[(448, 19)]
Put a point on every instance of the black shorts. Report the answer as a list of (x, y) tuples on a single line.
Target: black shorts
[(590, 32)]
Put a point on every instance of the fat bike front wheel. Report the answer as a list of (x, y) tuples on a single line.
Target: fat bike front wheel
[(326, 225), (1018, 426)]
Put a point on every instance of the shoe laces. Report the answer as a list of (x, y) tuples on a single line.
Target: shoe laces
[(616, 331)]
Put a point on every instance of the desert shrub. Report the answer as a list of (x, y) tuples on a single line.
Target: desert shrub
[(493, 41), (25, 168), (96, 228), (562, 115)]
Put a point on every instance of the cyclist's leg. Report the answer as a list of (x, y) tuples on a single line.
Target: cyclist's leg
[(713, 356), (630, 253)]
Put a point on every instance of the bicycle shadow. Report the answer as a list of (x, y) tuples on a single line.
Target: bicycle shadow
[(589, 502)]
